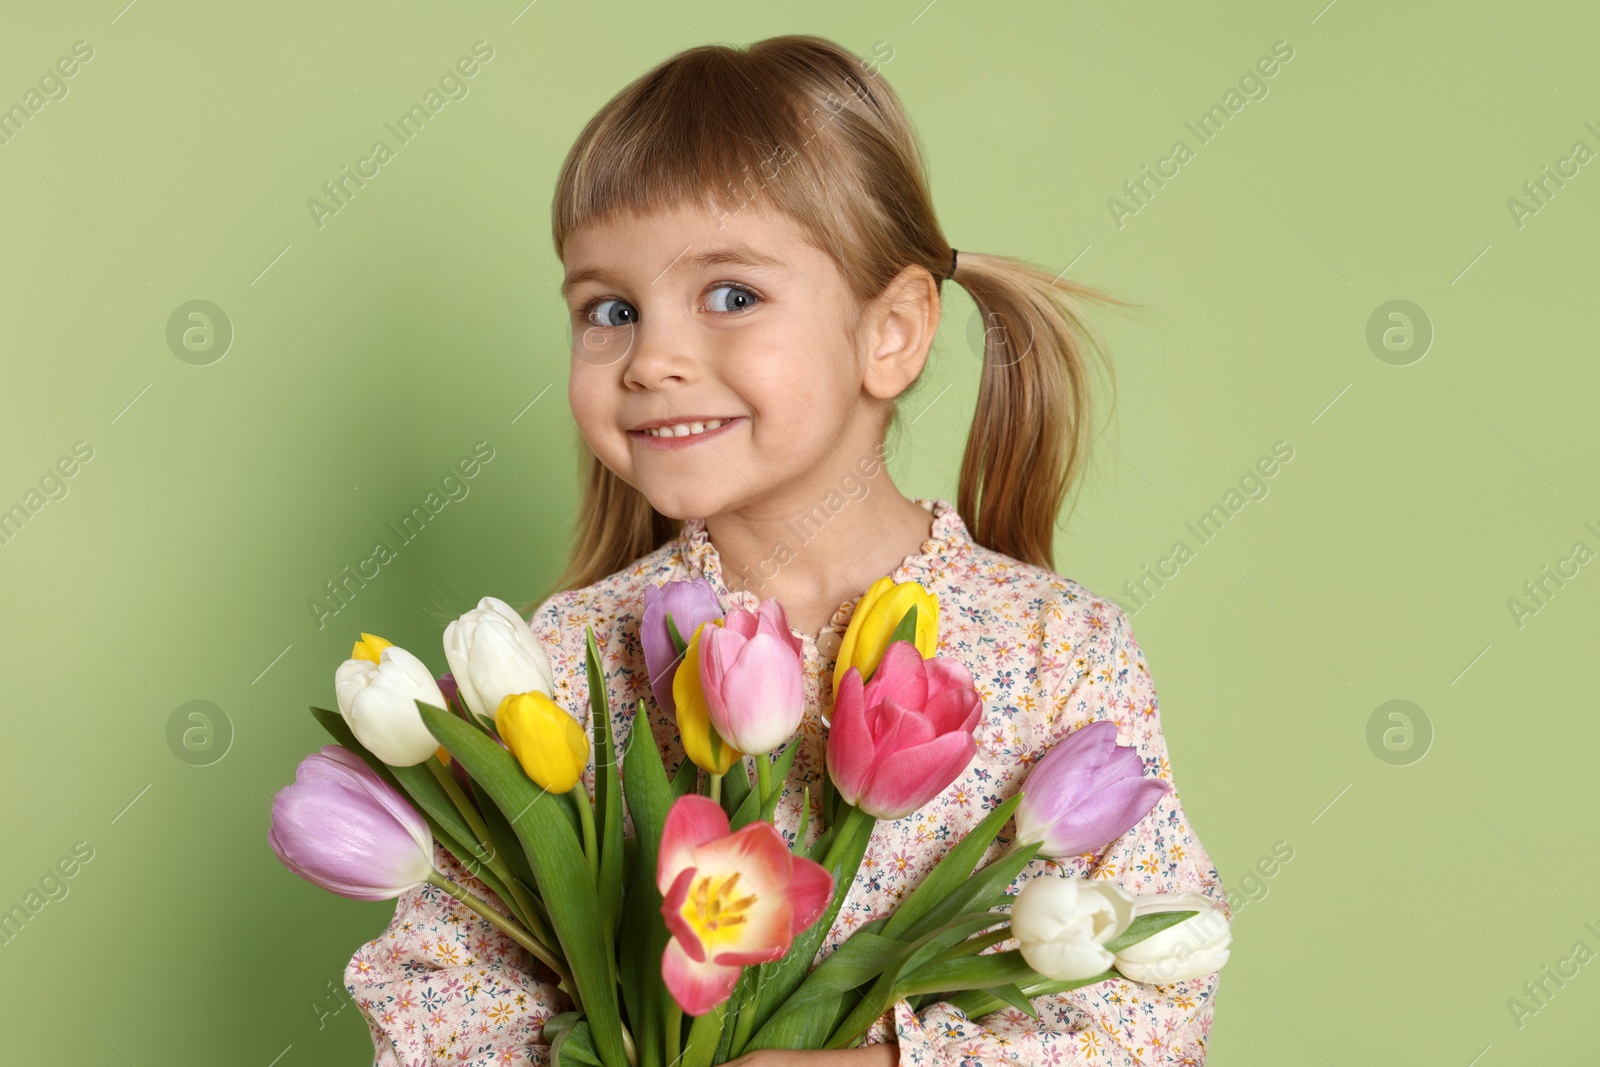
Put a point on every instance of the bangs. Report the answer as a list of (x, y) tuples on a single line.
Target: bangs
[(727, 130)]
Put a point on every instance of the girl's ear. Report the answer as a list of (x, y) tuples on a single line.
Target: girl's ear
[(897, 331)]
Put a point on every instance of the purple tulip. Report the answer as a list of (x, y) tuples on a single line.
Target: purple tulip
[(341, 827), (689, 604), (1086, 792)]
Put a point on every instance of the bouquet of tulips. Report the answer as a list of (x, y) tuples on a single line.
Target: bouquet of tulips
[(705, 911)]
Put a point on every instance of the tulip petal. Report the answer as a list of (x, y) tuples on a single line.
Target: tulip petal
[(1086, 823), (851, 750), (902, 783), (901, 677), (1066, 961), (810, 891), (692, 821), (697, 987), (672, 911), (337, 838), (385, 720)]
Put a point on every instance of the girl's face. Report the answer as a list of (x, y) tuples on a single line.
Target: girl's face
[(714, 361)]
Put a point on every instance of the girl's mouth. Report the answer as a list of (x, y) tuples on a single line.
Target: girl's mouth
[(683, 433)]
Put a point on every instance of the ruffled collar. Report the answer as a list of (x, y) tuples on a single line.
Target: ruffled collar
[(947, 540)]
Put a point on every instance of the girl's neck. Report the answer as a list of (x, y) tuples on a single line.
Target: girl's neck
[(815, 547)]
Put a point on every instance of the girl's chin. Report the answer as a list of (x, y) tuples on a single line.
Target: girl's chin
[(682, 500)]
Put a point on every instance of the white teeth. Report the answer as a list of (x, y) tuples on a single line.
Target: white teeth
[(684, 429)]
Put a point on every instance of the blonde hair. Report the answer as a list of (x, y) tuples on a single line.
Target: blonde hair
[(825, 141)]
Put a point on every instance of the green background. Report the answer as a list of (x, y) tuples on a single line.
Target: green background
[(371, 353)]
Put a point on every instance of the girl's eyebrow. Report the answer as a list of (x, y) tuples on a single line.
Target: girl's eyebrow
[(734, 255)]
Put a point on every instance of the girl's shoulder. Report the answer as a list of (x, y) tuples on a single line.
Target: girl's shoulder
[(986, 589)]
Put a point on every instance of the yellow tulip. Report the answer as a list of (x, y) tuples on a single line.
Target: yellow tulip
[(552, 748), (877, 614), (694, 719), (369, 647)]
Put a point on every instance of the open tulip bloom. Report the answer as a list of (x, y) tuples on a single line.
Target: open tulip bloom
[(691, 943)]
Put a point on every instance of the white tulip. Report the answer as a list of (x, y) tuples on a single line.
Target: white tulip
[(378, 701), (1194, 948), (1063, 924), (493, 654)]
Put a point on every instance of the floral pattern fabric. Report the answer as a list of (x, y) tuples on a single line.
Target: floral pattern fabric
[(441, 985)]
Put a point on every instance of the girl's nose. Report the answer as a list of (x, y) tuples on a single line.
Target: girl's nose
[(656, 359)]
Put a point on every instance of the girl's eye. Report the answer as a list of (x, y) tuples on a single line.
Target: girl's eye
[(611, 313), (733, 298)]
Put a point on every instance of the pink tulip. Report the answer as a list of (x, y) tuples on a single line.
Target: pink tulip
[(1086, 792), (754, 679), (342, 828), (729, 899), (899, 741)]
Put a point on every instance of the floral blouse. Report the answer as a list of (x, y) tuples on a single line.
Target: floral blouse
[(441, 985)]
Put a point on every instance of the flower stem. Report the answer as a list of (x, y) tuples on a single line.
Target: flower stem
[(510, 929), (674, 1030), (586, 819), (714, 788), (764, 777), (468, 811)]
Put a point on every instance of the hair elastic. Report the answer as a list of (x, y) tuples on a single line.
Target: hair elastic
[(952, 273)]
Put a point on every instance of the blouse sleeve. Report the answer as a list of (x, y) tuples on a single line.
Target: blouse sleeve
[(442, 986), (1116, 1023)]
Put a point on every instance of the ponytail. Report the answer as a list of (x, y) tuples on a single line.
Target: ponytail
[(1030, 431)]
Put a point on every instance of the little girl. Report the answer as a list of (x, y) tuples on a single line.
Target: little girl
[(754, 273)]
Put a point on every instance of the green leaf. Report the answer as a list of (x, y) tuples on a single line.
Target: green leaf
[(1014, 997), (952, 870), (607, 791), (883, 992), (679, 645), (984, 890), (559, 868), (683, 780), (785, 975), (905, 630), (1147, 926), (735, 787), (574, 1046), (859, 958), (977, 1003), (644, 935), (704, 1036), (967, 972)]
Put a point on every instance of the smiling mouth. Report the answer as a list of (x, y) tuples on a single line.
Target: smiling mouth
[(692, 428)]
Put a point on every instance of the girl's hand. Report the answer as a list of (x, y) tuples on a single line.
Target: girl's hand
[(866, 1056)]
